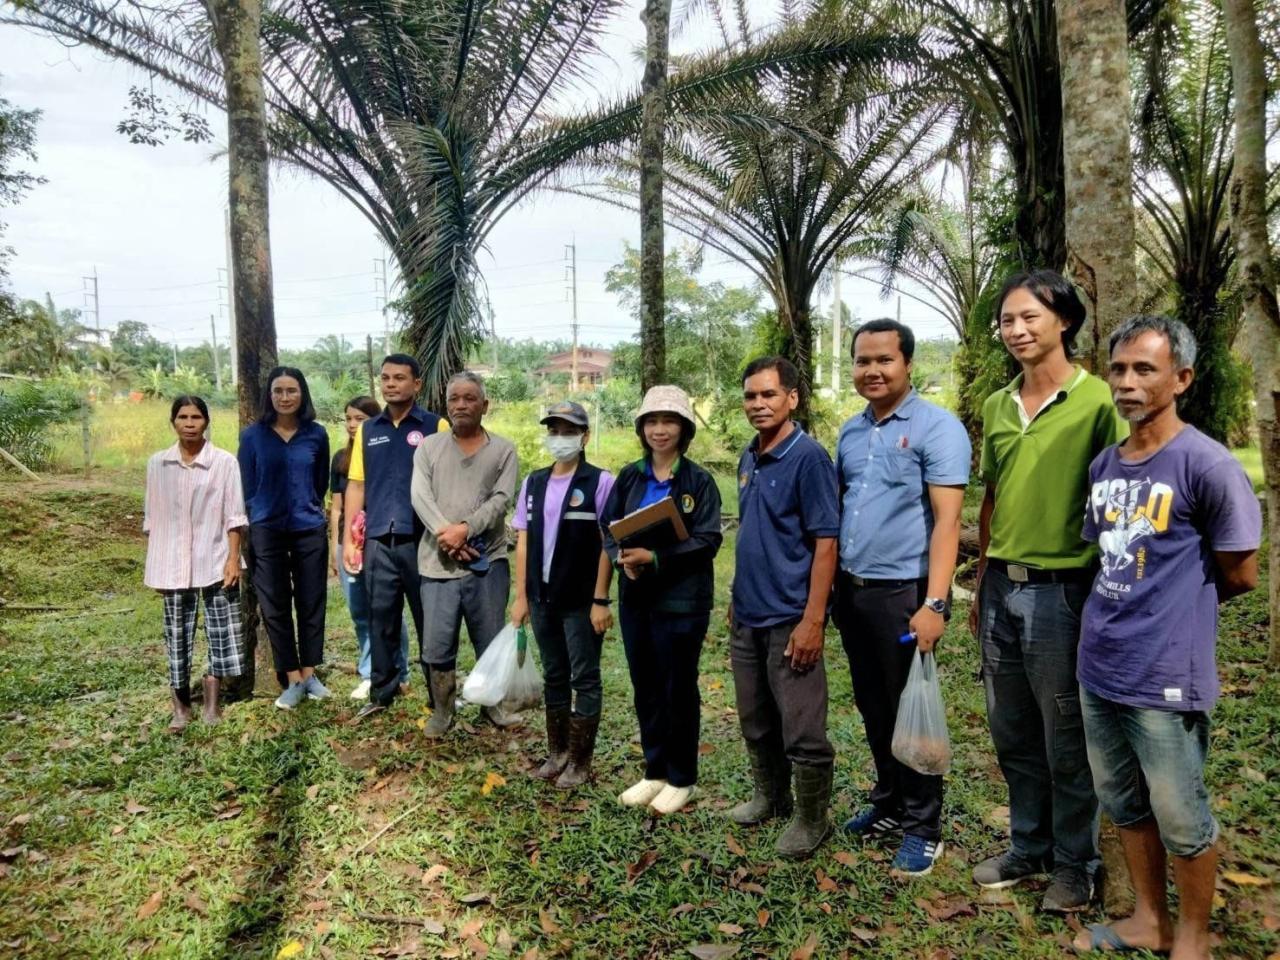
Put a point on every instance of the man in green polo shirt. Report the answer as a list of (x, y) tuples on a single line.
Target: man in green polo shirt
[(1040, 433)]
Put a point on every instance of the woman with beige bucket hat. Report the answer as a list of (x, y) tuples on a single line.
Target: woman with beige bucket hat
[(665, 595)]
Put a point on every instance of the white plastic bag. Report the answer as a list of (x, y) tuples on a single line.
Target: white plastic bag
[(505, 673), (920, 738)]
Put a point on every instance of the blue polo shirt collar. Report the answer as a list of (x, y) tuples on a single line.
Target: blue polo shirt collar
[(781, 450), (415, 413), (902, 411)]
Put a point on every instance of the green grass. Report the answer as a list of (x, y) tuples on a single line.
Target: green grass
[(243, 823)]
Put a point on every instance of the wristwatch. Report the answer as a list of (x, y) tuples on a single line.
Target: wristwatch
[(936, 604), (601, 601)]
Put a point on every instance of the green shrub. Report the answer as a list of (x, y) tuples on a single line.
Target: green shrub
[(29, 413)]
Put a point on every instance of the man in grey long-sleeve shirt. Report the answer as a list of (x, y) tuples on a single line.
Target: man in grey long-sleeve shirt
[(463, 482)]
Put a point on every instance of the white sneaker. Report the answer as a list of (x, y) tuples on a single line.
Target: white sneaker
[(640, 794), (361, 692), (671, 799)]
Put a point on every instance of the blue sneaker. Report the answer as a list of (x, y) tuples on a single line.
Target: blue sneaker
[(293, 695), (870, 822), (315, 689), (916, 856)]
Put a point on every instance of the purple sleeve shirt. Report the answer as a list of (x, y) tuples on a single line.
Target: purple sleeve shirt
[(552, 508), (1149, 628)]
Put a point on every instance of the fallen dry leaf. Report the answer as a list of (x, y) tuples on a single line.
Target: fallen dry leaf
[(825, 883), (734, 846), (530, 954), (322, 928), (730, 929), (134, 808), (1241, 879), (751, 888), (492, 780), (479, 896), (290, 949), (865, 935), (20, 819), (150, 905), (683, 908), (762, 918), (231, 812), (844, 858), (196, 905), (706, 748), (313, 791), (434, 873), (471, 928), (805, 950), (713, 951), (647, 860), (547, 922), (947, 908), (434, 927)]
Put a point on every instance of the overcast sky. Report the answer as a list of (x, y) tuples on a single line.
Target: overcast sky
[(150, 221)]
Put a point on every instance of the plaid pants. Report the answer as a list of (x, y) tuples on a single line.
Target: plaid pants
[(221, 627)]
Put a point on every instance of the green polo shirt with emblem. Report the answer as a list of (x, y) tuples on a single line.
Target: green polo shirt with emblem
[(1040, 470)]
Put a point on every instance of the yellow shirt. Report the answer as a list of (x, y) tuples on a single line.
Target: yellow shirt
[(355, 469)]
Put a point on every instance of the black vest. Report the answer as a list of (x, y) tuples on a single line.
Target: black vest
[(388, 470), (576, 560)]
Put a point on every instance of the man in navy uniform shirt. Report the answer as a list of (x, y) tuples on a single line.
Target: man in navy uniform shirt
[(378, 482), (786, 559)]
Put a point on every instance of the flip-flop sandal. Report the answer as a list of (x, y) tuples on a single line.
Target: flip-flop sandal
[(1104, 939)]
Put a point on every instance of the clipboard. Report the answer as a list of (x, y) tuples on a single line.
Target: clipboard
[(650, 518)]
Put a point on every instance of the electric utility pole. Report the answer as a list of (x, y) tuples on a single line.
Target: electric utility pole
[(837, 318), (217, 366), (380, 293), (571, 271), (91, 290)]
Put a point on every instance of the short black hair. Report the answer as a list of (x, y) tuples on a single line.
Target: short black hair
[(1054, 291), (906, 339), (306, 410), (404, 360), (188, 400), (788, 375)]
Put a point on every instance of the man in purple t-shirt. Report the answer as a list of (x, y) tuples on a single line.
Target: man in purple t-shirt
[(1178, 527)]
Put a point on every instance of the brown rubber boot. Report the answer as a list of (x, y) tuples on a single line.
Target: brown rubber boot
[(212, 712), (181, 710), (582, 746), (444, 686), (557, 744)]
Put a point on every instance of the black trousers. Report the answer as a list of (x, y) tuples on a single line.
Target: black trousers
[(390, 577), (291, 572), (662, 654), (870, 620)]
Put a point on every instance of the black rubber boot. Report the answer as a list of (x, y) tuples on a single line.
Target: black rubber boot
[(557, 744), (444, 686), (212, 711), (582, 746), (810, 825), (771, 787)]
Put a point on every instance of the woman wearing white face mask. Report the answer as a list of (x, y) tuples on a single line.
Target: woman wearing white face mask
[(562, 590)]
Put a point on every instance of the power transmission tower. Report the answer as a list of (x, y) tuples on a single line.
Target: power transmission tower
[(571, 271), (217, 365), (91, 290), (380, 293)]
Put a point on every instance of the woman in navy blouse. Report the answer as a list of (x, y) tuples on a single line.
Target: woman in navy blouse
[(284, 464)]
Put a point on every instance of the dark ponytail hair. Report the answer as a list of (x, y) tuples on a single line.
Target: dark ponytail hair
[(369, 407), (189, 400)]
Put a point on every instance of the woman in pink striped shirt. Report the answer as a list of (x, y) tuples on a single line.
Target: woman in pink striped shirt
[(193, 515)]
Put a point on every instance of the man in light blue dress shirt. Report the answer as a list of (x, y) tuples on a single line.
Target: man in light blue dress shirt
[(902, 464)]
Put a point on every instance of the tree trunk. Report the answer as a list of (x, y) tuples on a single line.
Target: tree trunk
[(1093, 51), (798, 348), (1257, 275), (236, 26), (653, 350)]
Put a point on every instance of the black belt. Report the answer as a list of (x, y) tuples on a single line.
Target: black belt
[(1020, 574), (858, 581)]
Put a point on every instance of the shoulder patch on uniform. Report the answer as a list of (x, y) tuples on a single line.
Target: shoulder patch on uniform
[(687, 503), (576, 498), (414, 438), (743, 479)]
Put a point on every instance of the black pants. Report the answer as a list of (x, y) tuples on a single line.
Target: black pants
[(390, 577), (782, 709), (870, 620), (570, 649), (290, 572), (662, 653)]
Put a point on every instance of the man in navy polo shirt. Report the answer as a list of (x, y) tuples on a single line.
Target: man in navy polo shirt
[(378, 482), (902, 464), (786, 560)]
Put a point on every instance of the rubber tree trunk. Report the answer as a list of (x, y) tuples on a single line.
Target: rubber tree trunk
[(653, 349), (236, 25), (1257, 276), (1093, 54)]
